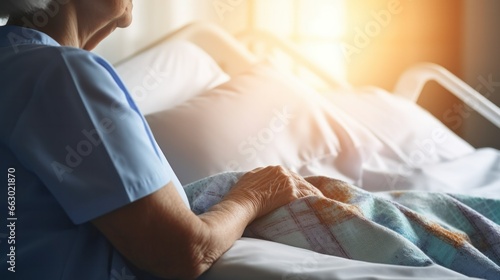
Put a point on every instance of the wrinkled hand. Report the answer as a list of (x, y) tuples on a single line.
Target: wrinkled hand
[(271, 187)]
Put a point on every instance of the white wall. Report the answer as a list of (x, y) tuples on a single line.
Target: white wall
[(481, 60), (153, 19)]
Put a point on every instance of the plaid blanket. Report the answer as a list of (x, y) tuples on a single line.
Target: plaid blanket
[(408, 228)]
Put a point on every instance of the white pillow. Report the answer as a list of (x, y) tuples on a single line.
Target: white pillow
[(264, 117), (169, 74), (261, 117)]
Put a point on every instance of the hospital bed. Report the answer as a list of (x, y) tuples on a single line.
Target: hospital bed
[(215, 106)]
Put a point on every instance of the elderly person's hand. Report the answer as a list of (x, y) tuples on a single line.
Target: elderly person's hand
[(160, 235), (271, 187)]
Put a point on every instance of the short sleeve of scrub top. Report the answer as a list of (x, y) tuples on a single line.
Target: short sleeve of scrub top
[(83, 136)]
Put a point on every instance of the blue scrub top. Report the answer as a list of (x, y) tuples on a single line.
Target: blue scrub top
[(78, 148)]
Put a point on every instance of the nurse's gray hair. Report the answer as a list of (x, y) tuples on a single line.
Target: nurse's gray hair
[(20, 7)]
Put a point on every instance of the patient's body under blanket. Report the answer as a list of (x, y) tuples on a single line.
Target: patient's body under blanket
[(409, 228)]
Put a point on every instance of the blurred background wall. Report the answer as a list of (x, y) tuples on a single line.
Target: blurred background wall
[(367, 42), (480, 59)]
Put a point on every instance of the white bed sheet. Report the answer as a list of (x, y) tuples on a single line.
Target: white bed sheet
[(251, 259), (417, 154)]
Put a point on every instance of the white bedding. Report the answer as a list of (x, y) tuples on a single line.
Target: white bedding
[(169, 74), (251, 259), (371, 139), (419, 152), (366, 137)]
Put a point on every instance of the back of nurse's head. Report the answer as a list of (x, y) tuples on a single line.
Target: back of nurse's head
[(21, 7)]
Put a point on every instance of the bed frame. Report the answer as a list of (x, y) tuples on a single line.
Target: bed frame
[(412, 81), (236, 58)]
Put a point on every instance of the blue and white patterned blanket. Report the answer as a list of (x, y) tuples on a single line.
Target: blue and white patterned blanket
[(408, 228)]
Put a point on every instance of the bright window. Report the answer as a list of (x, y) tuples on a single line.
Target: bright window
[(315, 26)]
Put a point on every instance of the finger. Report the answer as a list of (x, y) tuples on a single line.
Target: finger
[(312, 189), (260, 168)]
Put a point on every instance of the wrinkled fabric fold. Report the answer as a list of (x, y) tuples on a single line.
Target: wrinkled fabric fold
[(408, 228)]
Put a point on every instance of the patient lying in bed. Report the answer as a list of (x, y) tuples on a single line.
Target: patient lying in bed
[(368, 139)]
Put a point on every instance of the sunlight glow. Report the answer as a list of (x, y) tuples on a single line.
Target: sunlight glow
[(322, 18), (315, 26)]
